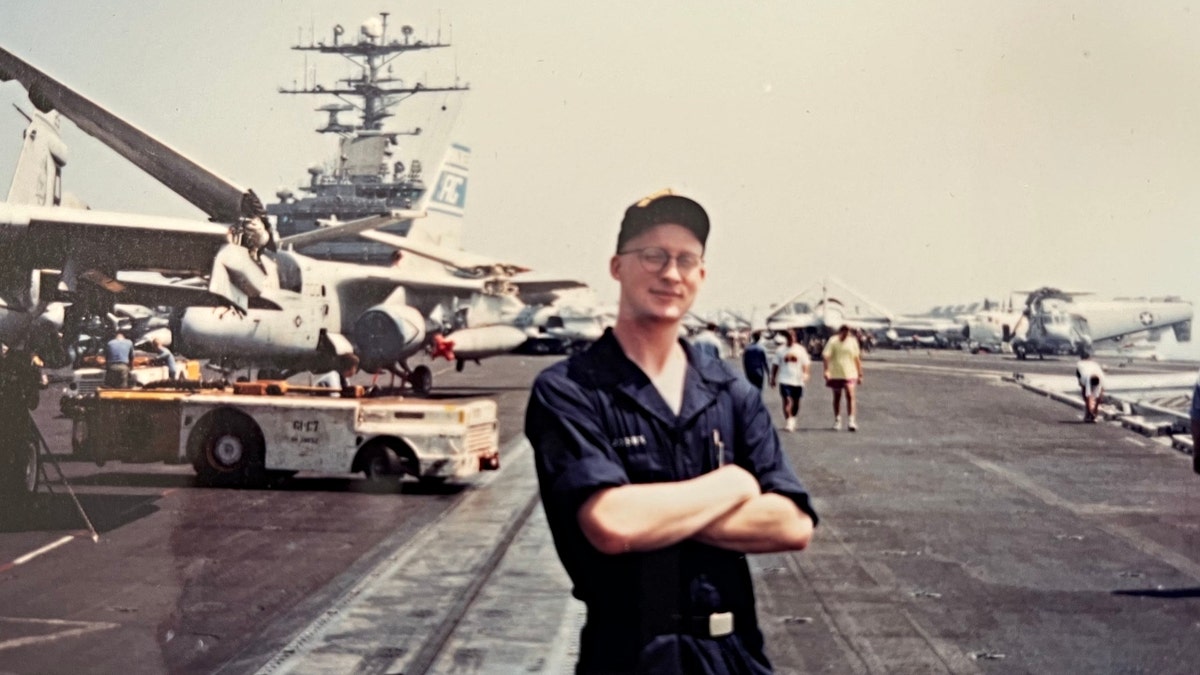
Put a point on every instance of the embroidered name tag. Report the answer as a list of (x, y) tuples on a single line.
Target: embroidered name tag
[(629, 441)]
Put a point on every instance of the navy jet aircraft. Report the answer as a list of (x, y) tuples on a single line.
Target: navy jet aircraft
[(817, 312), (455, 304), (292, 312), (1056, 322)]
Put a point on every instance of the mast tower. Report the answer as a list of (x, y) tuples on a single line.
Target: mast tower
[(367, 177)]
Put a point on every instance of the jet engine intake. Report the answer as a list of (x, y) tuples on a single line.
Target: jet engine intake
[(385, 334)]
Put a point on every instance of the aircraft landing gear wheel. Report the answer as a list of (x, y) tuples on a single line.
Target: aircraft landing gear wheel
[(1019, 350), (230, 452), (421, 380)]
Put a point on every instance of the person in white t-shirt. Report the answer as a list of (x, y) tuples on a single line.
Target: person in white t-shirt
[(790, 370), (1091, 384)]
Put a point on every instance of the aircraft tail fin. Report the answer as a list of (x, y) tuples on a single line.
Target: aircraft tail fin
[(37, 180), (445, 201)]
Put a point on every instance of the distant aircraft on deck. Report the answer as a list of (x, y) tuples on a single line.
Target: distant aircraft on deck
[(1058, 322)]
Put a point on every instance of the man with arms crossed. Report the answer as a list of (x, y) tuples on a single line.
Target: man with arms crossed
[(659, 470)]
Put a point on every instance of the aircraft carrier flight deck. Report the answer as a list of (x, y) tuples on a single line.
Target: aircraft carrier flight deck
[(971, 525)]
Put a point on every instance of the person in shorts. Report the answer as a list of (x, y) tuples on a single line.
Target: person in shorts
[(791, 369), (843, 372)]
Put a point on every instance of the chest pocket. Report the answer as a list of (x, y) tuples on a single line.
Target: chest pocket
[(642, 443), (711, 440), (652, 451)]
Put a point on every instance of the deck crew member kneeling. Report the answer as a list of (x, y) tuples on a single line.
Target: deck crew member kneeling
[(659, 470), (1091, 385)]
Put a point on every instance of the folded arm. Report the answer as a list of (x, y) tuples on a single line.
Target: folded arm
[(767, 523), (650, 516)]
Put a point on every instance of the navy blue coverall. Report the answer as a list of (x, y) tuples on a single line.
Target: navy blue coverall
[(596, 421), (754, 360)]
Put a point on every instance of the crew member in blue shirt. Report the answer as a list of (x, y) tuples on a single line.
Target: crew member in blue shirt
[(659, 469), (163, 356), (118, 356), (754, 360)]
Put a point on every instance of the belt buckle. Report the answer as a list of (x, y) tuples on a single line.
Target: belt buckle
[(720, 624)]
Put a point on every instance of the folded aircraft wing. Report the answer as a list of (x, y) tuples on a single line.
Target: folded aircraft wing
[(348, 228), (865, 324), (534, 288), (544, 284), (786, 321), (180, 295), (145, 290), (217, 196), (108, 240), (387, 277), (462, 260)]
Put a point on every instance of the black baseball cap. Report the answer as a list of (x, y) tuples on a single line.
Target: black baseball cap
[(663, 208)]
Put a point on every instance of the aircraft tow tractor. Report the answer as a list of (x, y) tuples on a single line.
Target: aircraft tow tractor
[(248, 432)]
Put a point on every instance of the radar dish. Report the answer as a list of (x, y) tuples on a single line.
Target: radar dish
[(372, 28)]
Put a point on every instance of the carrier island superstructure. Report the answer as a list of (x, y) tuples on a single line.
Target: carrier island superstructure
[(368, 176)]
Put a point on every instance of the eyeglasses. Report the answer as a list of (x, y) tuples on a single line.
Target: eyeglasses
[(656, 260)]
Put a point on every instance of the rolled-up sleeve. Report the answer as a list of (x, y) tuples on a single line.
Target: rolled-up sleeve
[(573, 456)]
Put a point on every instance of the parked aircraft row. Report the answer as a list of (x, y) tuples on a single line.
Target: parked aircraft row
[(1051, 322)]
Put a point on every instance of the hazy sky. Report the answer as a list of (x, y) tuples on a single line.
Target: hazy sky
[(927, 152)]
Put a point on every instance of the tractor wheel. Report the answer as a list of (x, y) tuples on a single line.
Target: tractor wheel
[(230, 450)]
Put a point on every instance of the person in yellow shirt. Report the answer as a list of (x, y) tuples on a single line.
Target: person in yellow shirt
[(843, 372)]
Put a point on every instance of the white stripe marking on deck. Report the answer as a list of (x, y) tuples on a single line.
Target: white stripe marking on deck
[(45, 549)]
